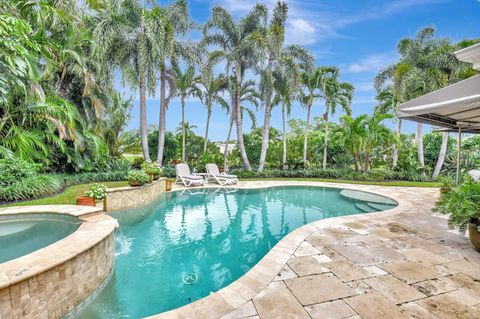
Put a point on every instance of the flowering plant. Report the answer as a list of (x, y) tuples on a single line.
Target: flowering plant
[(151, 168), (97, 191)]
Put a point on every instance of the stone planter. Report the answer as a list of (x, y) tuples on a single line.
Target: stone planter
[(135, 183), (168, 185), (474, 234), (86, 201)]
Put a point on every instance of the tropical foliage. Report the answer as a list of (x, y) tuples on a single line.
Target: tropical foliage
[(59, 110)]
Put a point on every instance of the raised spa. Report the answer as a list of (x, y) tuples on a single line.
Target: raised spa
[(188, 244), (24, 233)]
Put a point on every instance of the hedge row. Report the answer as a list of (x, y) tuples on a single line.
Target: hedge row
[(376, 175)]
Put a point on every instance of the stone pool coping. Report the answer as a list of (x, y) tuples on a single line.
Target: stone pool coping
[(95, 227), (245, 288)]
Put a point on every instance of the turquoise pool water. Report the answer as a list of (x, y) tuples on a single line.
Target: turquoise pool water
[(24, 233), (188, 244)]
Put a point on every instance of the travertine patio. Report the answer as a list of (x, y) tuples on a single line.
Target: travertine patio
[(402, 263)]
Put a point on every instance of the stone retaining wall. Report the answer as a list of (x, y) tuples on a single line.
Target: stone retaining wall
[(127, 197)]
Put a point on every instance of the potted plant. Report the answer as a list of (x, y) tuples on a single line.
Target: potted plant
[(137, 178), (98, 192), (463, 205), (152, 169)]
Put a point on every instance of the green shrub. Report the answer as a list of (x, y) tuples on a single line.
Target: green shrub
[(462, 203), (14, 170), (21, 180), (84, 178), (31, 187), (374, 175), (138, 176)]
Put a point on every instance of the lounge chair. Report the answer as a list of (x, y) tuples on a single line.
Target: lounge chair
[(221, 178), (185, 177), (474, 174)]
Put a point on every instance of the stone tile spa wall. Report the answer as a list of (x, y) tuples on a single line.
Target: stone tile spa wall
[(50, 282)]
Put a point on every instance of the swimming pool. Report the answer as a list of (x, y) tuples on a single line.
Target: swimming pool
[(24, 233), (190, 243)]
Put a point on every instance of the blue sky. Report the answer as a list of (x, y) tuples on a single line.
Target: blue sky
[(359, 36)]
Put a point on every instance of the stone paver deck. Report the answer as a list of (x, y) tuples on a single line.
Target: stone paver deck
[(401, 263)]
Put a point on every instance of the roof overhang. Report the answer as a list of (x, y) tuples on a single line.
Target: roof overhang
[(470, 55), (452, 108)]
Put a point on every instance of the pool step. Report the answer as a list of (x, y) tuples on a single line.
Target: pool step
[(364, 207), (379, 207), (367, 197)]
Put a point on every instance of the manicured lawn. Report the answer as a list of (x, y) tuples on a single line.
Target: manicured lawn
[(68, 196), (326, 180), (132, 157)]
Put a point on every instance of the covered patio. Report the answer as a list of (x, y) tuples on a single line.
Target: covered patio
[(455, 108)]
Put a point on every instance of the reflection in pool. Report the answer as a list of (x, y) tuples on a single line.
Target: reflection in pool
[(190, 243), (24, 233)]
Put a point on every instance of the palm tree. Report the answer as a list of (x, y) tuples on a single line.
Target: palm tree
[(239, 52), (351, 134), (211, 93), (286, 82), (165, 26), (388, 103), (121, 41), (335, 93), (187, 86), (312, 81), (426, 64), (249, 94), (376, 134)]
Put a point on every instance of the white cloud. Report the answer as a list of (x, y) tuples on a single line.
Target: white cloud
[(300, 31), (363, 100), (372, 63)]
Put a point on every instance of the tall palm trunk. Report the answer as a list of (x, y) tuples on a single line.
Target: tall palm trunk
[(284, 154), (143, 119), (184, 157), (161, 118), (209, 115), (225, 152), (355, 162), (265, 137), (419, 137), (266, 124), (305, 139), (441, 156), (395, 147), (238, 120), (367, 163), (325, 144)]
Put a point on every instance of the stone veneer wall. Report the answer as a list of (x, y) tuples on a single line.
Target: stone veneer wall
[(127, 197), (55, 292)]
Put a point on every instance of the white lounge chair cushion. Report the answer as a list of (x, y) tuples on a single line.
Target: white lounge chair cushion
[(193, 177), (226, 176), (213, 170)]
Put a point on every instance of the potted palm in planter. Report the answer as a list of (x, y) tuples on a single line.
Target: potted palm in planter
[(137, 178), (463, 205)]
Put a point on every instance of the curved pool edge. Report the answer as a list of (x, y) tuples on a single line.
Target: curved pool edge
[(245, 288), (52, 280)]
